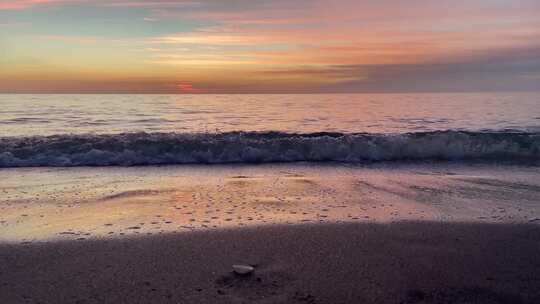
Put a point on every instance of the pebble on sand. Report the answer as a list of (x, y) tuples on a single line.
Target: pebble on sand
[(243, 269)]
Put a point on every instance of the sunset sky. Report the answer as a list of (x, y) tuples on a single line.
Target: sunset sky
[(255, 46)]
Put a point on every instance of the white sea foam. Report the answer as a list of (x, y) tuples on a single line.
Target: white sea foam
[(262, 147)]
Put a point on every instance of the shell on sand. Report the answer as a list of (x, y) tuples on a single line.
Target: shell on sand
[(242, 269)]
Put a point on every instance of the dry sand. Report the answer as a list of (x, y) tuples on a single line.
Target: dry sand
[(323, 263)]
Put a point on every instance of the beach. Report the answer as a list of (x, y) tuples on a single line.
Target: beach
[(249, 151), (328, 233), (422, 262)]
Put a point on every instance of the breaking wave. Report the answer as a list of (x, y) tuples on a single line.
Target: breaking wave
[(132, 149)]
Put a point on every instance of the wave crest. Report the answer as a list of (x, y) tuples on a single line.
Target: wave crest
[(131, 149)]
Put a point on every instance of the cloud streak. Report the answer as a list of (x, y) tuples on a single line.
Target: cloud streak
[(256, 45)]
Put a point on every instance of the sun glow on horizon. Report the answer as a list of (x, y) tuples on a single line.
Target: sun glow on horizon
[(242, 46)]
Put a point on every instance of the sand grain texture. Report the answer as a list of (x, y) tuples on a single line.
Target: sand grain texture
[(325, 263)]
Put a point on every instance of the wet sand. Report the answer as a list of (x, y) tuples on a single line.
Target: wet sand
[(47, 204), (417, 233)]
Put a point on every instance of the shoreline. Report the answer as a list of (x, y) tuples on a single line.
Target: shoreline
[(39, 204)]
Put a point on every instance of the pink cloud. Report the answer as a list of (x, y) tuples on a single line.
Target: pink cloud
[(23, 4)]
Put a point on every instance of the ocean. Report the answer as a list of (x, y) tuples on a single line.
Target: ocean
[(127, 130)]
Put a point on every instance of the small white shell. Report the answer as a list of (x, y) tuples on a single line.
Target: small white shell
[(242, 269)]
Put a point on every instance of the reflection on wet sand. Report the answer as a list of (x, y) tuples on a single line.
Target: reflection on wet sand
[(85, 203)]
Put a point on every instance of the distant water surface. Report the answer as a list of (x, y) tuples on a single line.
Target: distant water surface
[(127, 130), (27, 115)]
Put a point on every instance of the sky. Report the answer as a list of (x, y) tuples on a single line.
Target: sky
[(278, 46)]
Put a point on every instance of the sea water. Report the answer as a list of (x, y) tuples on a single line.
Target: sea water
[(73, 130)]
